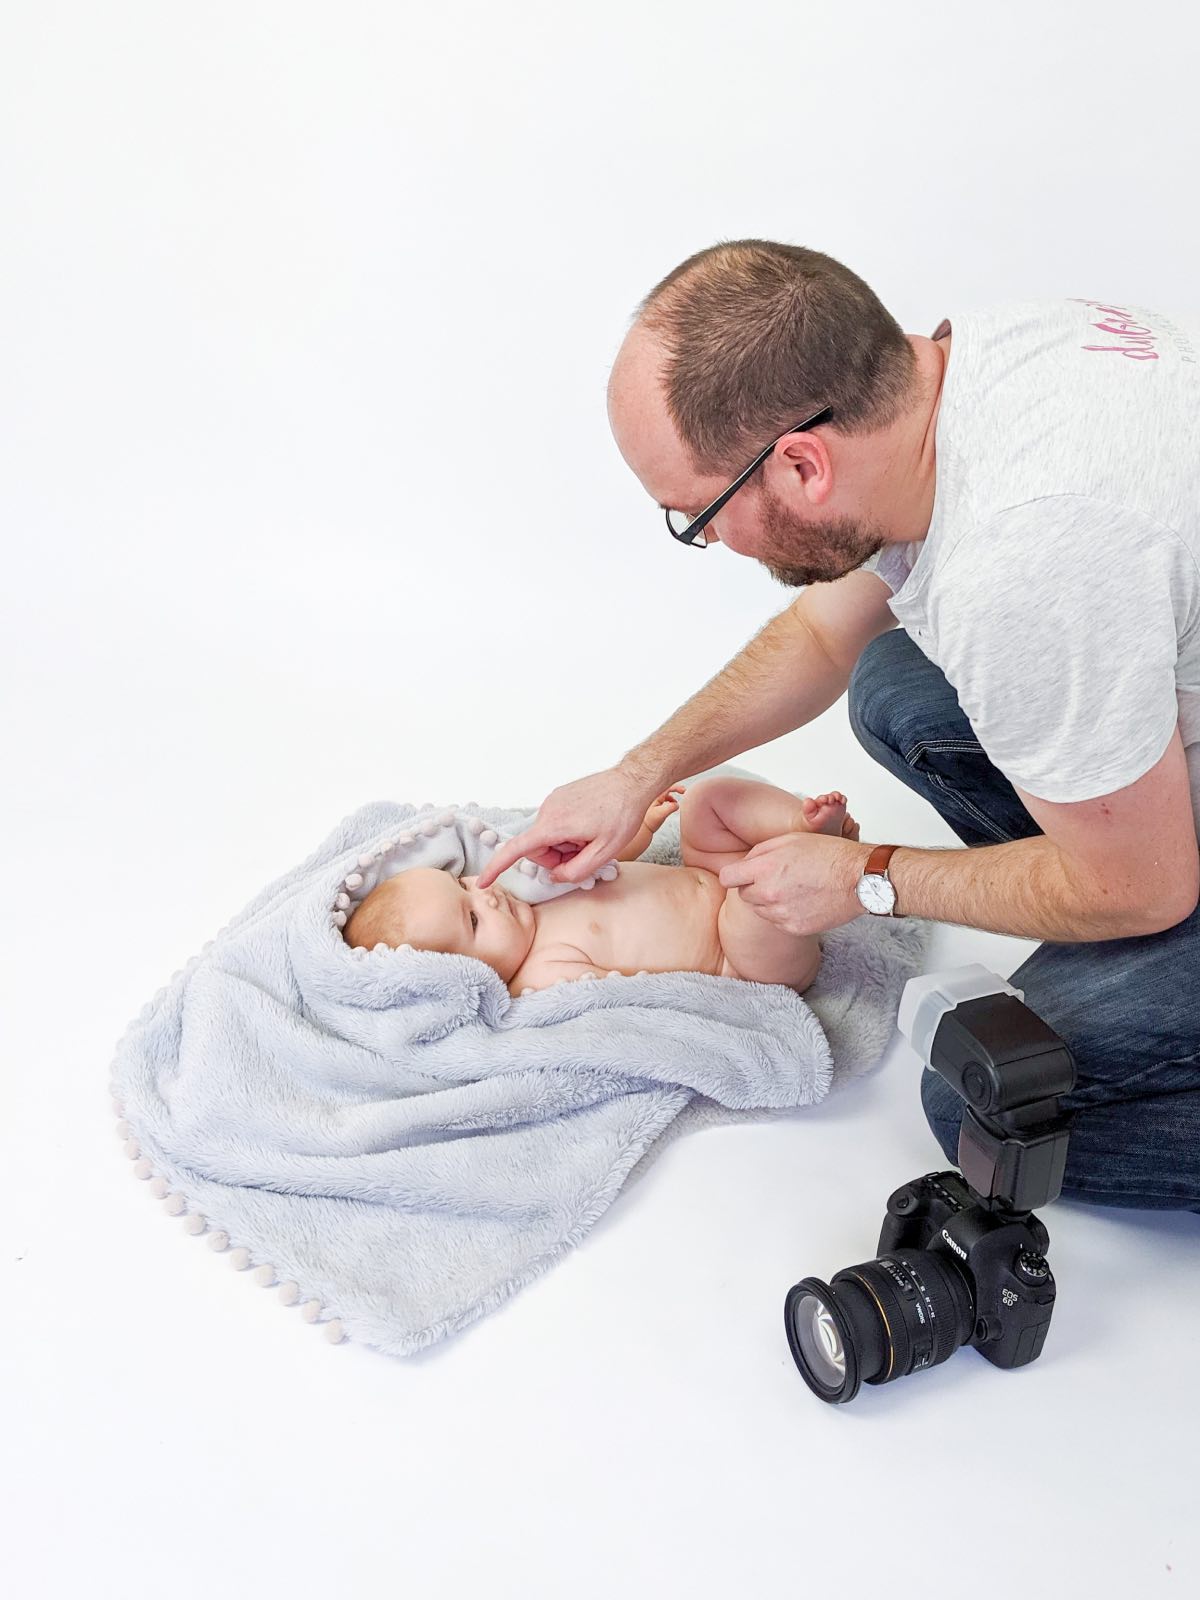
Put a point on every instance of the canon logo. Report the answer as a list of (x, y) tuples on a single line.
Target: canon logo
[(957, 1248)]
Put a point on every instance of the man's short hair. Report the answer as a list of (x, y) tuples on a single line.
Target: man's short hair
[(759, 335)]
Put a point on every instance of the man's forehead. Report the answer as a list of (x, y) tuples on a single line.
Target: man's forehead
[(642, 425)]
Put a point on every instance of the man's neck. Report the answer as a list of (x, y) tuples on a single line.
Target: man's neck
[(918, 457)]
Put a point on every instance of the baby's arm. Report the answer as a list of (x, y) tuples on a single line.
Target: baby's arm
[(655, 817), (639, 842)]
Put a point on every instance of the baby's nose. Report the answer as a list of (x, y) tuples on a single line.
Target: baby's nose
[(491, 896)]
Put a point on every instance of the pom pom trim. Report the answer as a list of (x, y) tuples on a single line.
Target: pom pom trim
[(240, 1258), (266, 1274)]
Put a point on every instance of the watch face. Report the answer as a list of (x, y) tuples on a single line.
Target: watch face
[(876, 893)]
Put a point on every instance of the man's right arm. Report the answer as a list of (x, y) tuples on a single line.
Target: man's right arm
[(790, 672)]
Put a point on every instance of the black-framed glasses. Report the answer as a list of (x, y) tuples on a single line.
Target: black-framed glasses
[(688, 529)]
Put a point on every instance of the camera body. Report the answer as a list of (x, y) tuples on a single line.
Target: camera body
[(1011, 1285), (962, 1258)]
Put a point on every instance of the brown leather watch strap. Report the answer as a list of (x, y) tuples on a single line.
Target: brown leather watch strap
[(878, 859)]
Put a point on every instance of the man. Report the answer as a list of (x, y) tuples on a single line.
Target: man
[(1022, 493)]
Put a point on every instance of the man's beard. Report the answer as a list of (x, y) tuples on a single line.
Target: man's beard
[(829, 551)]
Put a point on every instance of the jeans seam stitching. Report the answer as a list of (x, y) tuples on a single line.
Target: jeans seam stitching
[(968, 745), (981, 817)]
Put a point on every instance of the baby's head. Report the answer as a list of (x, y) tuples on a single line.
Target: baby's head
[(433, 910)]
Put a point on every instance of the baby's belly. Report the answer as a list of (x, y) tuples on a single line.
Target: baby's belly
[(649, 918)]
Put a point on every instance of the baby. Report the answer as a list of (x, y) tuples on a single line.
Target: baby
[(647, 919)]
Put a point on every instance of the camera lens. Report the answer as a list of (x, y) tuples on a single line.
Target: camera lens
[(877, 1321)]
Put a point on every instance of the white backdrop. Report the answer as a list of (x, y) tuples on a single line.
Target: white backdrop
[(308, 498)]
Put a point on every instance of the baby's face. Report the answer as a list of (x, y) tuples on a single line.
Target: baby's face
[(442, 912)]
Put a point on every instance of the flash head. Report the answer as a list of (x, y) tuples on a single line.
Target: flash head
[(1010, 1067)]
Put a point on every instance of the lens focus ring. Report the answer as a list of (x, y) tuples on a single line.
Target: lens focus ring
[(924, 1303)]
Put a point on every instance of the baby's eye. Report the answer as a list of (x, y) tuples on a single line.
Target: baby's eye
[(474, 922)]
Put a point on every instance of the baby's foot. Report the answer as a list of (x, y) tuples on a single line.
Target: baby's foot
[(826, 813)]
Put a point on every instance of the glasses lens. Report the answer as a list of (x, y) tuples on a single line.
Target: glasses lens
[(679, 522)]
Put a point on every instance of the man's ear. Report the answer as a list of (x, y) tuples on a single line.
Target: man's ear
[(805, 460)]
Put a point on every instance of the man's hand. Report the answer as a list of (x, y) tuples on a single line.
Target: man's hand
[(802, 882), (578, 828)]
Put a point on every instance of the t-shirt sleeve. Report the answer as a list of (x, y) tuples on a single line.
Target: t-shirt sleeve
[(1058, 623)]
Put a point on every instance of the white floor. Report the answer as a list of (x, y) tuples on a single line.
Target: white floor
[(632, 1423)]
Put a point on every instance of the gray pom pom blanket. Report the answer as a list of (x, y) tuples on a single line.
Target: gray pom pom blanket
[(395, 1144)]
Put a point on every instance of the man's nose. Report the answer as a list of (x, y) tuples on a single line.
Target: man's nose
[(727, 535)]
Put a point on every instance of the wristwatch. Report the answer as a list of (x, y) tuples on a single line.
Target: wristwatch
[(875, 890)]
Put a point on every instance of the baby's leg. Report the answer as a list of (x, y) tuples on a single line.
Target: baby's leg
[(720, 819), (762, 952)]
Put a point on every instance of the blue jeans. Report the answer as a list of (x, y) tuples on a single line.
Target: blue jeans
[(1128, 1008)]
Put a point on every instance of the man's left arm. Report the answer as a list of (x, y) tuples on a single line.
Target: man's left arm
[(1116, 867), (1059, 628), (1122, 865)]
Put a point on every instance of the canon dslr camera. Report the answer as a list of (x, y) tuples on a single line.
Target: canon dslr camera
[(961, 1260)]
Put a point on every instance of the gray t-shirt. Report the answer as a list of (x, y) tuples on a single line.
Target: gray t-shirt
[(1058, 586)]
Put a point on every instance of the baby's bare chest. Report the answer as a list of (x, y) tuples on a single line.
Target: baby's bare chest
[(652, 918)]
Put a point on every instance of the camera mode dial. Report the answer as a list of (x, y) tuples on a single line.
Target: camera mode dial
[(1031, 1266)]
